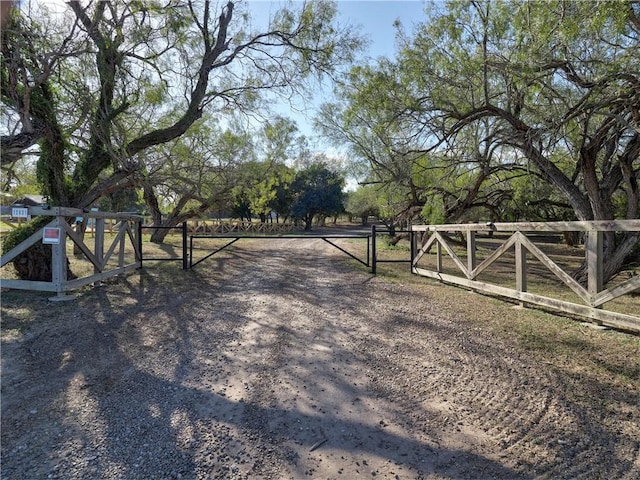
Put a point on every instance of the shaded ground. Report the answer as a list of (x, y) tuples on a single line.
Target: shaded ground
[(270, 362)]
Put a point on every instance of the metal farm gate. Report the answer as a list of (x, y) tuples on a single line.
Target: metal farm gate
[(466, 266), (189, 242)]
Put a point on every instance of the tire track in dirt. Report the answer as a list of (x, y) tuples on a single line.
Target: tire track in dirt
[(483, 397), (277, 360), (318, 335), (490, 391)]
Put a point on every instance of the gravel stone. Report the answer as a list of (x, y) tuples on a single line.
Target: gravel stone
[(237, 368)]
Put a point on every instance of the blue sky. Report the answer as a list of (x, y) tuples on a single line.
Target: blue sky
[(374, 19)]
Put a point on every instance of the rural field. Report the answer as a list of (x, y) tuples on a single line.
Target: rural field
[(284, 359)]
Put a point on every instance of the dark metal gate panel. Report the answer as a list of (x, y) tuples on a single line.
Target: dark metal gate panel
[(185, 252), (326, 238), (187, 247)]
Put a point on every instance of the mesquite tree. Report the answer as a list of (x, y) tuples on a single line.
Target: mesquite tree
[(488, 91), (560, 82), (317, 191), (107, 82)]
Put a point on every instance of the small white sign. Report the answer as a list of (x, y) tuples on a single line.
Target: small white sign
[(20, 212), (51, 235)]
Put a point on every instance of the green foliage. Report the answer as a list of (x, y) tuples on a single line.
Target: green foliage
[(19, 178), (363, 202), (316, 191), (433, 211), (284, 196), (125, 200), (262, 185), (503, 109), (392, 200), (16, 236), (145, 73)]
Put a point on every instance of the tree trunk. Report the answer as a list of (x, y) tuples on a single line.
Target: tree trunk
[(615, 259), (173, 219), (81, 229), (597, 202), (35, 264), (159, 235), (572, 239), (396, 239), (615, 254), (391, 226), (308, 220)]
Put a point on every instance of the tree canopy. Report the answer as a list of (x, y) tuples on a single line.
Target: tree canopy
[(489, 92), (104, 95), (316, 190), (123, 78)]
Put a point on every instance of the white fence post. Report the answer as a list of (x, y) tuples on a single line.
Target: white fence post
[(59, 259), (521, 269), (471, 253), (594, 247)]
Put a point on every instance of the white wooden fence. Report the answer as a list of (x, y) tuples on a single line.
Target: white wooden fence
[(230, 226), (102, 256), (592, 298)]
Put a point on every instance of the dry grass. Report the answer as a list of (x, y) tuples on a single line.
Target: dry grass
[(540, 280), (578, 349), (534, 329)]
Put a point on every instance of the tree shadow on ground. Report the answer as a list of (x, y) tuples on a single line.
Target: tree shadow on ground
[(140, 379)]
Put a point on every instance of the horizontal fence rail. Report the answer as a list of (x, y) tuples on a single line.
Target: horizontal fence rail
[(107, 259), (183, 229), (592, 297), (231, 239)]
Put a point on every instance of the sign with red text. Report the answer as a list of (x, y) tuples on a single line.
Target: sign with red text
[(51, 235)]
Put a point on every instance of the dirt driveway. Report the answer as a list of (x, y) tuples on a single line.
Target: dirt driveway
[(271, 362)]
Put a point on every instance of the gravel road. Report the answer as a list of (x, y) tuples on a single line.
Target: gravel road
[(271, 362)]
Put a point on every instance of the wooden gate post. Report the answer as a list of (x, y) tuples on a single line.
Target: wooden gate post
[(99, 246), (595, 251), (413, 240), (59, 259), (59, 263), (521, 269), (594, 244), (471, 253)]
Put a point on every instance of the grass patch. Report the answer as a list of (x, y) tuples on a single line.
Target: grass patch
[(19, 310), (566, 343)]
